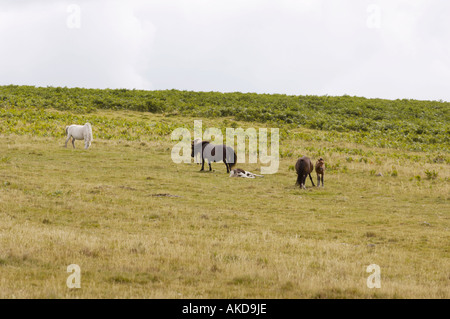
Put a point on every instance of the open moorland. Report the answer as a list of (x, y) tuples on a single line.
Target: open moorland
[(140, 226)]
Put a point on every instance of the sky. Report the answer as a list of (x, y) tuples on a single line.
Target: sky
[(391, 49)]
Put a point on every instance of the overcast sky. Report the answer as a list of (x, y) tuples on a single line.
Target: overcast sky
[(376, 48)]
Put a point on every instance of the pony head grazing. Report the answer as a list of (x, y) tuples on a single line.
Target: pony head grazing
[(79, 132), (304, 167)]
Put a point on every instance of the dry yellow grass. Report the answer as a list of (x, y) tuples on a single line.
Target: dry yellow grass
[(220, 237)]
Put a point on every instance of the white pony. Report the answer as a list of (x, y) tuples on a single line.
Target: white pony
[(80, 132)]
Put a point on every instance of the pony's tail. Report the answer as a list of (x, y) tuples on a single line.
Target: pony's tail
[(91, 137), (67, 130), (235, 159)]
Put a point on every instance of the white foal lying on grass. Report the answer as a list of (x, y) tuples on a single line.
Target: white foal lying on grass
[(241, 173), (80, 132)]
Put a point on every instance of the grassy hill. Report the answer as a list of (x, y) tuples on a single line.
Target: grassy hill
[(140, 226), (405, 124)]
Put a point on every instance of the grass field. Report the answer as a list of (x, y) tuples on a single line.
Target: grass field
[(140, 226)]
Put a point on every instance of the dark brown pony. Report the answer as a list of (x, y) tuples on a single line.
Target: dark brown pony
[(303, 167), (320, 170), (214, 153)]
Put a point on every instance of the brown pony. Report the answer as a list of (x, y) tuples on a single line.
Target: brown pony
[(320, 170), (303, 167)]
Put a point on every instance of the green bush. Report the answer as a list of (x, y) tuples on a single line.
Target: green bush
[(431, 174)]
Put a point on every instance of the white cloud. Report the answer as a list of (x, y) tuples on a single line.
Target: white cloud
[(272, 46), (109, 49)]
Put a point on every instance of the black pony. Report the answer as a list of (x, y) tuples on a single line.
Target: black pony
[(214, 153)]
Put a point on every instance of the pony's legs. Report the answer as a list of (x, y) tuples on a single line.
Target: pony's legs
[(322, 180), (318, 180), (303, 185), (299, 181), (227, 165), (73, 141), (310, 179), (67, 140), (209, 163), (86, 145), (203, 165)]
